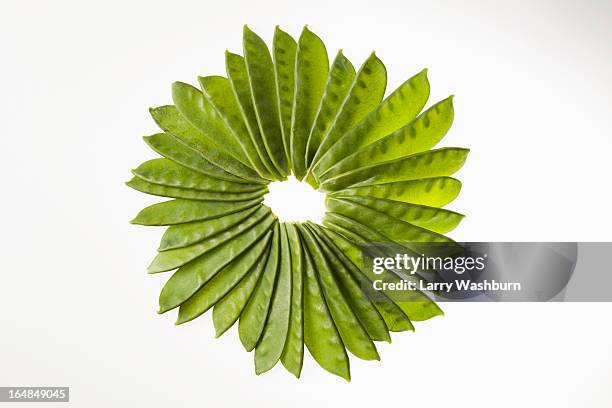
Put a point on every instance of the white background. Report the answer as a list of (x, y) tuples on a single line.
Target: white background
[(533, 102)]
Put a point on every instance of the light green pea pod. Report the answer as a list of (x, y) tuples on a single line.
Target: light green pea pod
[(418, 136), (260, 70), (284, 52), (170, 120), (431, 218), (221, 283), (364, 310), (218, 91), (239, 80), (254, 316), (433, 163), (321, 336), (270, 347), (188, 279), (434, 191), (182, 211), (228, 309), (367, 91), (182, 235), (176, 150), (353, 334), (338, 84), (293, 353), (174, 258), (398, 109), (311, 69)]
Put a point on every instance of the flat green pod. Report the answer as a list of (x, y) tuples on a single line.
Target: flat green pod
[(418, 136), (260, 69), (284, 54), (188, 279), (221, 283), (433, 163), (434, 191), (182, 211), (311, 69)]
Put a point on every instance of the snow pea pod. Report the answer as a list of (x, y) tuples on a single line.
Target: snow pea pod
[(284, 53), (222, 282), (311, 69), (418, 136), (253, 317), (182, 211), (433, 163), (188, 279), (260, 70), (270, 347), (398, 109), (434, 191), (352, 332), (293, 353), (174, 258)]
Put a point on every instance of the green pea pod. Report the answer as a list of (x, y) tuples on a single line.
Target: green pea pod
[(190, 194), (433, 163), (434, 191), (353, 334), (182, 235), (418, 136), (218, 91), (284, 53), (321, 336), (179, 152), (254, 316), (239, 80), (260, 69), (270, 347), (171, 121), (182, 211), (221, 283), (364, 310), (174, 258), (293, 353), (311, 69), (188, 279), (398, 109), (228, 309), (338, 84), (367, 91), (431, 218)]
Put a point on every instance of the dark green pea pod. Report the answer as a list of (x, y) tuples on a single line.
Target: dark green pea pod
[(293, 354), (352, 332), (170, 120), (188, 279), (398, 109), (270, 347), (338, 84), (284, 53), (433, 192), (255, 314), (433, 163), (311, 69), (179, 152), (174, 258), (321, 336), (418, 136), (182, 235), (221, 283), (182, 211), (263, 90)]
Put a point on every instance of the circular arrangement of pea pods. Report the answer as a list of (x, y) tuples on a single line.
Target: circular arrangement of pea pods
[(281, 112)]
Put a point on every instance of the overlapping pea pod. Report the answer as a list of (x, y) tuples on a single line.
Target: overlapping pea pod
[(292, 285)]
